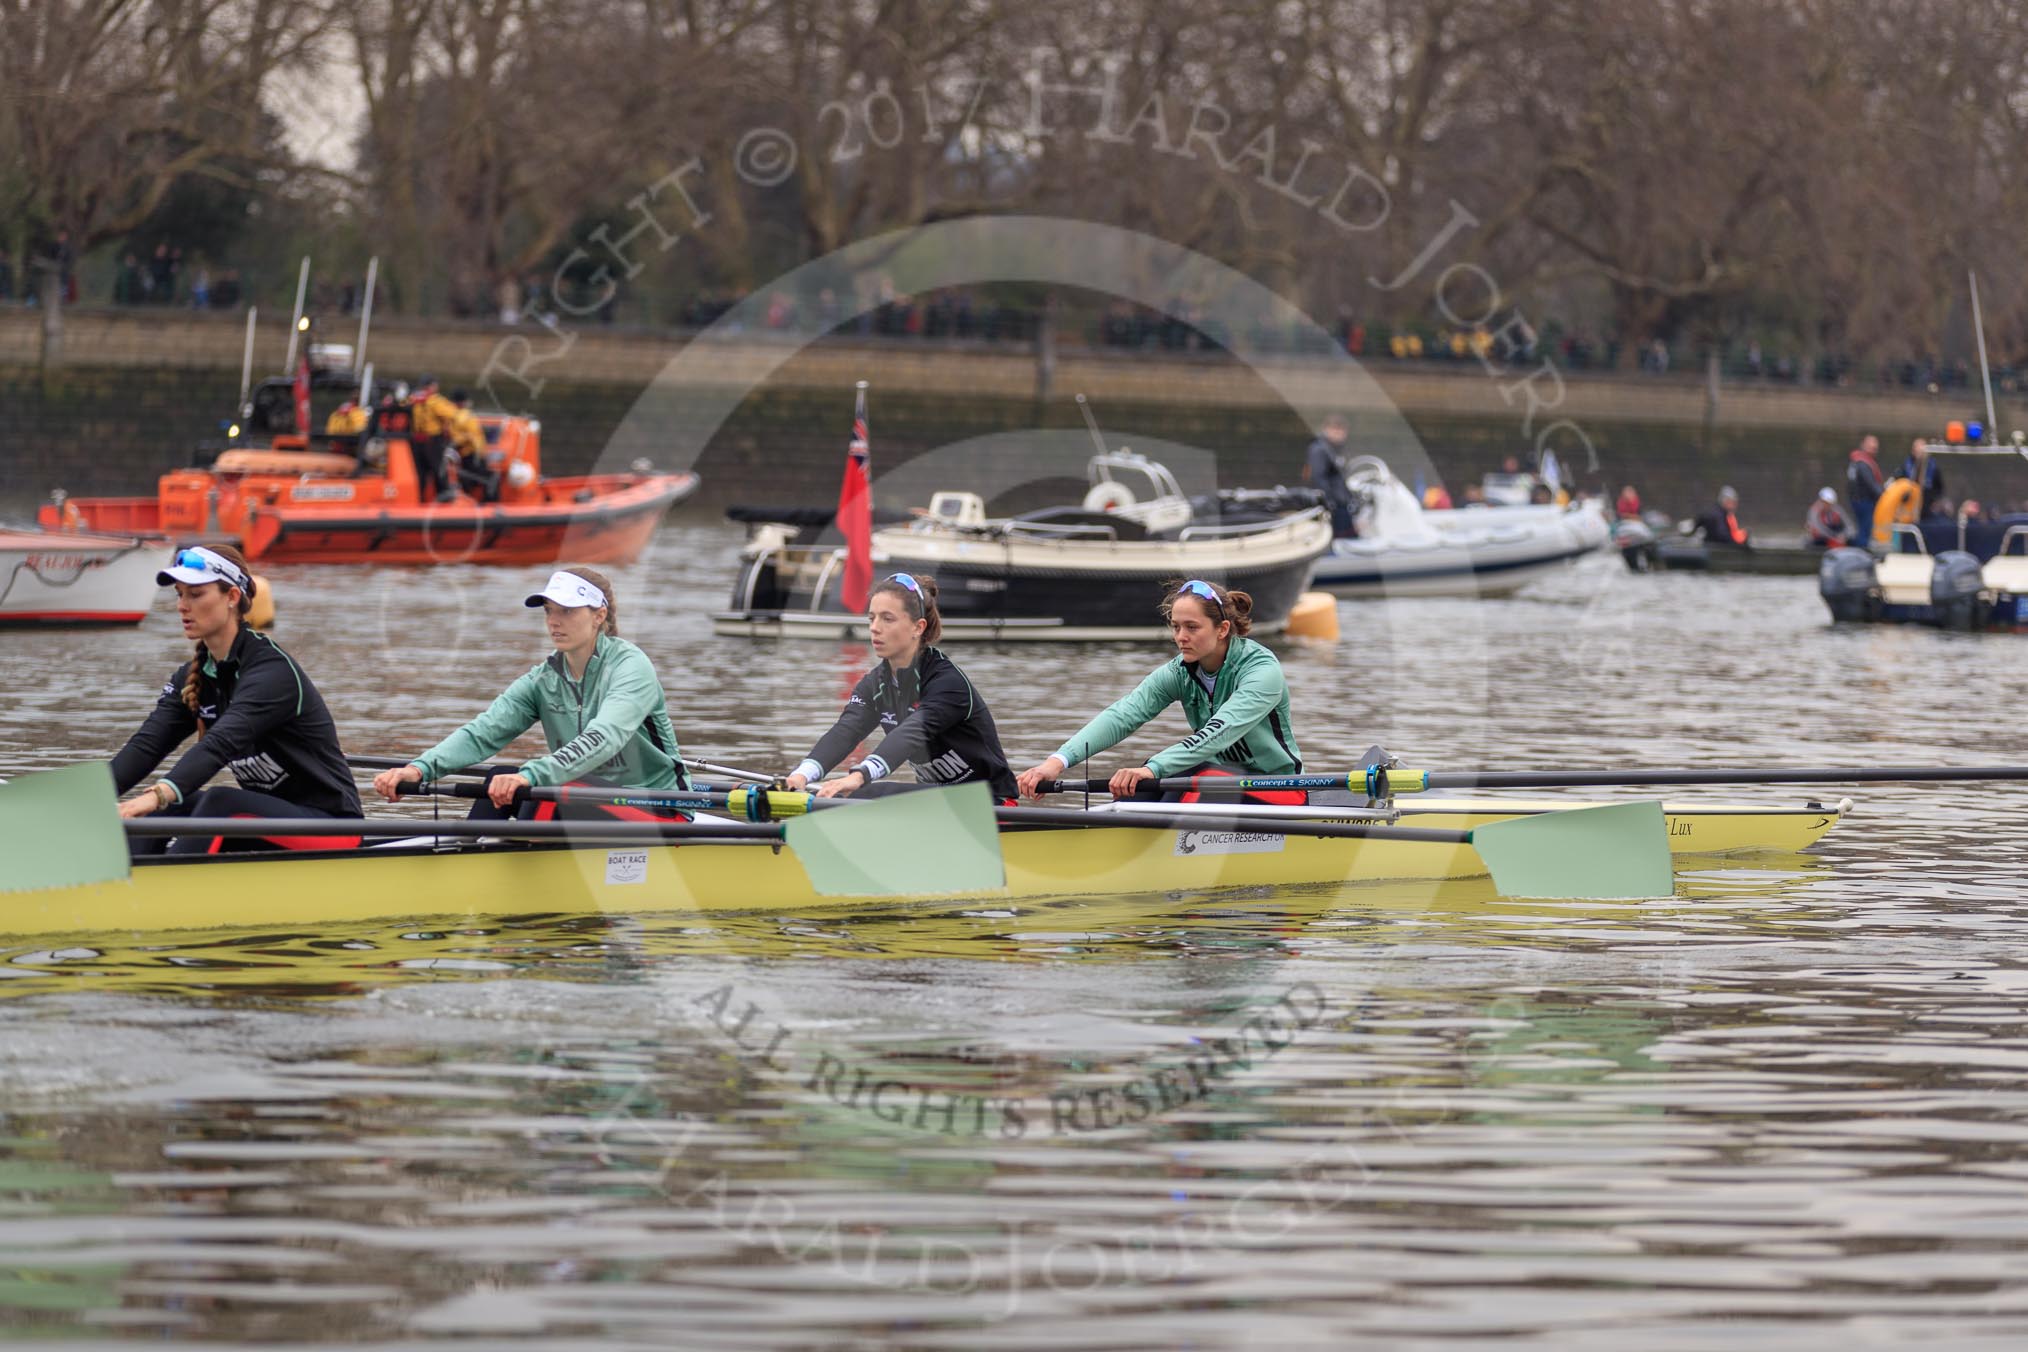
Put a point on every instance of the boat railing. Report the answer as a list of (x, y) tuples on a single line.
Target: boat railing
[(2012, 534), (1063, 531), (824, 579), (1247, 527), (1899, 529)]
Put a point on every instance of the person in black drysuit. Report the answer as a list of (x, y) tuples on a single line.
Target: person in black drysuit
[(931, 715), (1322, 472), (254, 712)]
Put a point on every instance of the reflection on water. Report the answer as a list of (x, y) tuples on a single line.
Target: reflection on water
[(1785, 1108)]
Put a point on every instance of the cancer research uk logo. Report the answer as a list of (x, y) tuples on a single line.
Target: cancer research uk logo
[(1228, 842)]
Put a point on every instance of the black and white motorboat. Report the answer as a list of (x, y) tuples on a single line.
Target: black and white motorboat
[(1092, 570)]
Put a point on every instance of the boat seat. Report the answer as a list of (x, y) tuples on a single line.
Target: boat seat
[(1904, 579), (2008, 574)]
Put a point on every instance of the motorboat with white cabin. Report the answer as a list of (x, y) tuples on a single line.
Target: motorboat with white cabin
[(1095, 569)]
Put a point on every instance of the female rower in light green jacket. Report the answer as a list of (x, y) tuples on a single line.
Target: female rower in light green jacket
[(1232, 693), (598, 700)]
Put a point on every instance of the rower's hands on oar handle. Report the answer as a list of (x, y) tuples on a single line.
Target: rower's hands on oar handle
[(1031, 780), (1124, 782), (151, 799), (388, 782), (844, 784), (502, 788)]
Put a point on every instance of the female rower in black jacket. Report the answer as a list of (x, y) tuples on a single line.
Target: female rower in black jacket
[(254, 712), (931, 715)]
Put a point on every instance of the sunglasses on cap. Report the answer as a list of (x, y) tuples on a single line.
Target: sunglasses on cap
[(203, 561)]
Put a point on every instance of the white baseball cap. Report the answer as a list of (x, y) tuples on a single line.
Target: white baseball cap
[(197, 565), (567, 589)]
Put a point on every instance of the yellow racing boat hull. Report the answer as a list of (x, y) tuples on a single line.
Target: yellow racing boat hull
[(1694, 828), (709, 877)]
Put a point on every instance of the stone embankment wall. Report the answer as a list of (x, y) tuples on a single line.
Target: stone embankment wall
[(138, 389)]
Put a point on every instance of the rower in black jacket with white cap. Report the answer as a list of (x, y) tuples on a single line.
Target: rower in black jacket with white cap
[(932, 716), (254, 712)]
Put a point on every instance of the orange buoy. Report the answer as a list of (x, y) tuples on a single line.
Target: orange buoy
[(261, 614), (1315, 615), (1954, 432)]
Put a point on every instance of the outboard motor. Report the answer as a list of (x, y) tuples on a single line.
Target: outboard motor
[(1636, 543), (1847, 582), (1954, 587)]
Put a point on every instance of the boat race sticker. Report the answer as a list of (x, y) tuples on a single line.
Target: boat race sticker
[(626, 866), (1228, 842)]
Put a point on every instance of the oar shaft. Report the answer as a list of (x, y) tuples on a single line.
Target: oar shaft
[(1007, 816), (1191, 821), (1379, 782), (739, 799), (1404, 780), (1218, 784), (398, 829)]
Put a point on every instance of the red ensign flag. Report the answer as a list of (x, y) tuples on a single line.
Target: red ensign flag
[(855, 513)]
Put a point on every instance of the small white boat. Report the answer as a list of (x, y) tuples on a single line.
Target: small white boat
[(49, 577), (1403, 550)]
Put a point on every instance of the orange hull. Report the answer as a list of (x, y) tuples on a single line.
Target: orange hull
[(612, 526), (289, 504)]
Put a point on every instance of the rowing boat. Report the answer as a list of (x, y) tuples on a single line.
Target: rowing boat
[(421, 877)]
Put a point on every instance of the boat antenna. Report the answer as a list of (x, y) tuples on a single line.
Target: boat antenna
[(246, 361), (1985, 370), (366, 315), (296, 320), (1091, 422), (366, 387)]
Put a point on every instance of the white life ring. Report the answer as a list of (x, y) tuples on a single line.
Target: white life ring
[(1108, 497)]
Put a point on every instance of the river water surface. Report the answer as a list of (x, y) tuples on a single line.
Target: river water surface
[(1788, 1108)]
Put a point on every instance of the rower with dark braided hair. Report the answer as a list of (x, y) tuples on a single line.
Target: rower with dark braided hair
[(254, 712)]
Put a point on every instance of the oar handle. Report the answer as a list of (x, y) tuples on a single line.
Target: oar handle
[(753, 803)]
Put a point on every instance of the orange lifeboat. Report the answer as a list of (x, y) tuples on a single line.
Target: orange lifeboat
[(289, 503)]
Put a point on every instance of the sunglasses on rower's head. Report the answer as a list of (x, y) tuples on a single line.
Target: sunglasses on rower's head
[(908, 582), (206, 562), (1194, 587)]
